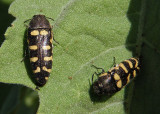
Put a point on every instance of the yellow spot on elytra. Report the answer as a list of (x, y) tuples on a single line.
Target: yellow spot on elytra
[(112, 69), (46, 78), (33, 59), (37, 70), (35, 33), (51, 40), (136, 65), (45, 69), (138, 68), (134, 73), (116, 68), (46, 47), (116, 76), (28, 41), (123, 67), (130, 63), (128, 78), (34, 47), (104, 74), (43, 32), (119, 84), (48, 58)]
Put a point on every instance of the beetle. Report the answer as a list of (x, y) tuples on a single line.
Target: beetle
[(116, 78), (40, 38)]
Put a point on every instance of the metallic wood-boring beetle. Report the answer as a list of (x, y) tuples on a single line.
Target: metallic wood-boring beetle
[(116, 78), (39, 40)]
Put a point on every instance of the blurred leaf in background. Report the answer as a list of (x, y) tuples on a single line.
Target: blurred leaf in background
[(145, 95), (17, 99)]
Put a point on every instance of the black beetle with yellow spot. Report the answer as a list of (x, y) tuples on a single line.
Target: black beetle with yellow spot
[(39, 40), (116, 78)]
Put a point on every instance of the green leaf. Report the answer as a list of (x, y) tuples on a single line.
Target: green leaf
[(89, 32)]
